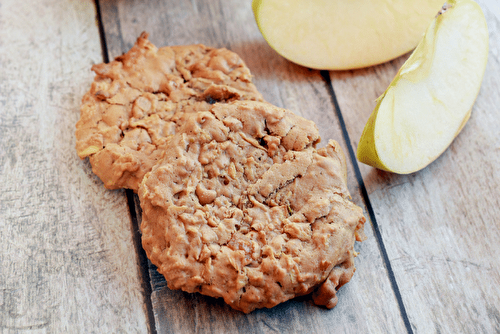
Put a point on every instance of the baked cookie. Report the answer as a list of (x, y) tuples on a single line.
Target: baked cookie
[(242, 206), (135, 101)]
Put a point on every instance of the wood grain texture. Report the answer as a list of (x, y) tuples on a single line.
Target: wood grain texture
[(67, 262), (67, 257), (440, 225), (367, 303)]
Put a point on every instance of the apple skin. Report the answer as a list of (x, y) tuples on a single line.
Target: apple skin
[(367, 152), (343, 34), (420, 67)]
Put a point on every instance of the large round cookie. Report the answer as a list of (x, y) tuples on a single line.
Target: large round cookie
[(243, 207), (135, 100)]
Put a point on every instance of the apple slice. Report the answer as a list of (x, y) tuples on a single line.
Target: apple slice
[(343, 34), (430, 99)]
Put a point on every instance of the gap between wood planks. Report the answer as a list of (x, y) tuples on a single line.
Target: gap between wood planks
[(142, 258), (136, 235), (380, 242)]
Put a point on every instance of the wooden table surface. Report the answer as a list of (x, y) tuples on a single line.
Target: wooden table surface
[(70, 254)]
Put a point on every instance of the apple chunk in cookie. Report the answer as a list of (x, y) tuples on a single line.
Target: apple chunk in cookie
[(244, 207), (135, 101)]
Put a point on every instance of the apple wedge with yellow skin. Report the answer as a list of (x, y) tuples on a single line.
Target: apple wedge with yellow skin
[(343, 34), (430, 99)]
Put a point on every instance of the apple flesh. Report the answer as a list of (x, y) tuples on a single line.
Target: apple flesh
[(343, 34), (430, 99)]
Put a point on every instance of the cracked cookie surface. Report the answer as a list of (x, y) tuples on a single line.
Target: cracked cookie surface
[(244, 207), (136, 100)]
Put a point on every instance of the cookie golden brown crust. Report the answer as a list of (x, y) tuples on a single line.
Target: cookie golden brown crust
[(135, 101), (242, 206)]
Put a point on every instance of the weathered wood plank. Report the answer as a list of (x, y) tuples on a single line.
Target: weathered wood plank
[(367, 303), (67, 261), (440, 225)]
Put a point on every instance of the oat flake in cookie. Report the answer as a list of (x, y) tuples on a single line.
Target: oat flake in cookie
[(243, 207), (135, 101)]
